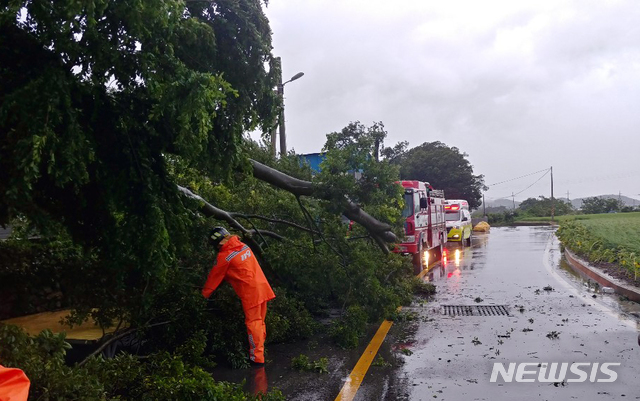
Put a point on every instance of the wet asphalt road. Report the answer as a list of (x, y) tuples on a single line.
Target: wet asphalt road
[(452, 357)]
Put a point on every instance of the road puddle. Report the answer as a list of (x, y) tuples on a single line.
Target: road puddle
[(457, 258)]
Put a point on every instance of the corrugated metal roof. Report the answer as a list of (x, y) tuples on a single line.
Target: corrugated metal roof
[(5, 232)]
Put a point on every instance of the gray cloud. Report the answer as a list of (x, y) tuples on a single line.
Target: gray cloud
[(519, 86)]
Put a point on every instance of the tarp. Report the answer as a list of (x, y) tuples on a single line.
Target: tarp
[(482, 227)]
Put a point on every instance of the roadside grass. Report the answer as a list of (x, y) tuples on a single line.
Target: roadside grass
[(612, 238), (616, 229)]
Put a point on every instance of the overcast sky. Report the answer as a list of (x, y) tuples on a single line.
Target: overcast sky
[(518, 85)]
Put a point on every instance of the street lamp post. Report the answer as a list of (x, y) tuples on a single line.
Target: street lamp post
[(283, 135)]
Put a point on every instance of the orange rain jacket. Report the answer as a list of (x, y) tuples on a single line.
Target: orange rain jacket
[(237, 264), (14, 384)]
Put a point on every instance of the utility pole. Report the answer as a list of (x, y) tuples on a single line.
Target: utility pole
[(484, 211), (513, 198), (553, 206), (569, 200)]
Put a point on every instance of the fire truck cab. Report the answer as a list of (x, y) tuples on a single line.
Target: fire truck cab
[(425, 227)]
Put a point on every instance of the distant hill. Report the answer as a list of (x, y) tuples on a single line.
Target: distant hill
[(496, 203), (577, 203)]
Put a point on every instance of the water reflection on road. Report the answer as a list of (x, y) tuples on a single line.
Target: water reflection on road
[(457, 258)]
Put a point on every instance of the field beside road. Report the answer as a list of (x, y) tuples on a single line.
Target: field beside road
[(613, 239)]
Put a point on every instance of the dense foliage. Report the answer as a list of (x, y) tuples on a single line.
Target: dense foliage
[(100, 97), (322, 265), (542, 207), (444, 168)]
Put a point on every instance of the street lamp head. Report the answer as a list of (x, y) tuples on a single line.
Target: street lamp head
[(298, 75), (293, 78)]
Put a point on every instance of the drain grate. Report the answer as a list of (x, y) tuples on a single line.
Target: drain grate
[(475, 310)]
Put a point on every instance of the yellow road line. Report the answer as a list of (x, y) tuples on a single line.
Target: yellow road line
[(423, 273), (356, 377)]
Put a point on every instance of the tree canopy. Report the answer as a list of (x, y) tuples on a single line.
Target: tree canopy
[(102, 100), (542, 206), (599, 204), (444, 168)]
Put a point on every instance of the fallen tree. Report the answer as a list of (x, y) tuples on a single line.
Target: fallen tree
[(380, 232)]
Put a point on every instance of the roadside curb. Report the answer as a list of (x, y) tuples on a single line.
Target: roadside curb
[(584, 267)]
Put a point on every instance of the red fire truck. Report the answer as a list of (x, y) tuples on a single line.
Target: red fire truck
[(425, 225)]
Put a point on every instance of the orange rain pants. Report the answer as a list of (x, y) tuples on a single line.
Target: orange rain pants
[(237, 265), (14, 385), (257, 331)]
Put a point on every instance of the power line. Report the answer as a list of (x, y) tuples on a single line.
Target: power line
[(534, 183), (513, 195), (517, 178)]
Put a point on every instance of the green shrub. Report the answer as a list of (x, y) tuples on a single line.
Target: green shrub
[(215, 326), (403, 316), (422, 288), (300, 362), (303, 363), (42, 359), (346, 331), (380, 362), (288, 319), (165, 377), (157, 377)]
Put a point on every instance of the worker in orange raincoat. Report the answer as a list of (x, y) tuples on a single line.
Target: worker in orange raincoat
[(237, 264), (14, 385)]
